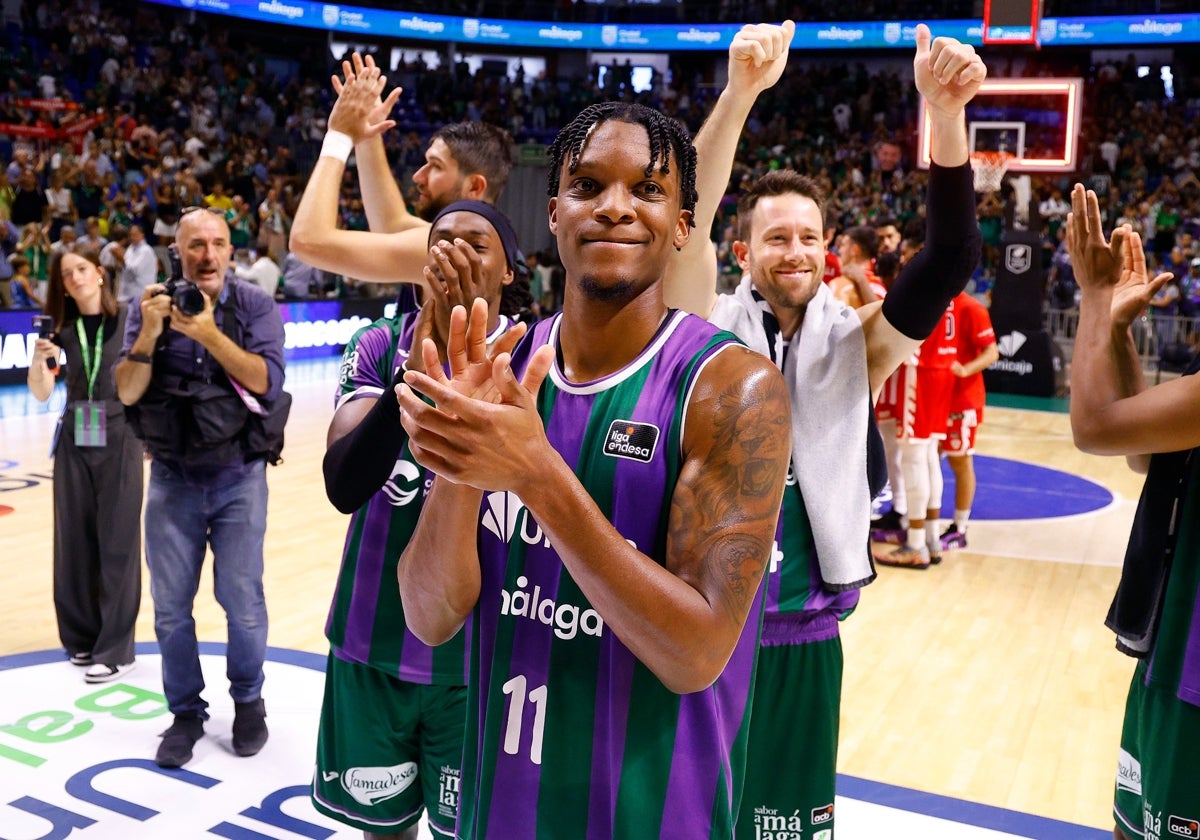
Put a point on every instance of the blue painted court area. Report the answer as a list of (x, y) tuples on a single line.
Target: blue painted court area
[(1007, 489)]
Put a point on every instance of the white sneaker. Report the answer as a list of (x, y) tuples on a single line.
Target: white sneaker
[(100, 672), (81, 658)]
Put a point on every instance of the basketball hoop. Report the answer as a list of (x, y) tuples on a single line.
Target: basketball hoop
[(988, 169)]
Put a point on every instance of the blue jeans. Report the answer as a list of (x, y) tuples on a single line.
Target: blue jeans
[(185, 510)]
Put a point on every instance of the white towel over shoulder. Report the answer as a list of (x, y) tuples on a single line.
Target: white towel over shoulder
[(826, 370)]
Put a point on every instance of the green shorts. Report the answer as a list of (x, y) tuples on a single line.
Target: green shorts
[(387, 750), (1158, 776), (791, 761)]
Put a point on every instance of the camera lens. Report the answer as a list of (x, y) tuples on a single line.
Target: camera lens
[(188, 298)]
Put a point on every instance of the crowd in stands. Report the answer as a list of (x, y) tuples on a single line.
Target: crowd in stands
[(193, 115)]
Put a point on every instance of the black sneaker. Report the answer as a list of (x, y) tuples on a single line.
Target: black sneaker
[(890, 521), (249, 727), (952, 538), (177, 742)]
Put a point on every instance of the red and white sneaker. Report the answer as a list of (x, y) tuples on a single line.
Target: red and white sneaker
[(905, 557)]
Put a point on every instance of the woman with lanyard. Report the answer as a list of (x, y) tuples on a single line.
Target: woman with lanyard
[(97, 471)]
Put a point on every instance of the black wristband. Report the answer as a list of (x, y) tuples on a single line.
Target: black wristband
[(357, 465), (140, 358)]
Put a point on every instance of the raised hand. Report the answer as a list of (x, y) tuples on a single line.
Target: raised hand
[(360, 111), (1134, 288), (1097, 261), (1119, 264), (947, 72), (757, 56)]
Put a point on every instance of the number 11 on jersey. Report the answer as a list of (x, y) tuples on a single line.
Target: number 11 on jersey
[(516, 690)]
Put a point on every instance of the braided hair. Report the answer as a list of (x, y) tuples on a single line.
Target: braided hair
[(666, 134), (516, 299)]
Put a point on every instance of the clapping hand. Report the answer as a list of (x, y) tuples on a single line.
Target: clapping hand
[(360, 112), (483, 428)]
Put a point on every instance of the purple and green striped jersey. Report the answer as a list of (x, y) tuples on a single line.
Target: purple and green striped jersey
[(571, 735), (366, 621), (1175, 657), (797, 605), (795, 595)]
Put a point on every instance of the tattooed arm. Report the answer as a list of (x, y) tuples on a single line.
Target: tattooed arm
[(680, 616), (682, 619)]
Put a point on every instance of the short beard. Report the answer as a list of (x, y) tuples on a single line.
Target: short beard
[(428, 209), (620, 291)]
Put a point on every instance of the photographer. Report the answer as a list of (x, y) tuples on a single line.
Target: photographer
[(97, 470), (203, 377)]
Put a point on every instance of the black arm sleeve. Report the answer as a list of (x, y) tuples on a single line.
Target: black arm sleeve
[(358, 464), (953, 244)]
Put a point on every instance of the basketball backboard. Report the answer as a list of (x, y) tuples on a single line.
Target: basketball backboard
[(1036, 120)]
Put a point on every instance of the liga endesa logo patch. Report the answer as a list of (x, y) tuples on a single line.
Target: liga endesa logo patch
[(79, 757), (626, 439)]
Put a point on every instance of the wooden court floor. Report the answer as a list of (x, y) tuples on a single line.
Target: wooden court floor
[(990, 678)]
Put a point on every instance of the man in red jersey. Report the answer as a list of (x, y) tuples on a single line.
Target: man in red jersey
[(976, 351)]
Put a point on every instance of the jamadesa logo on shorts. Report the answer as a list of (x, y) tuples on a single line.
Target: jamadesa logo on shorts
[(369, 785), (1129, 774)]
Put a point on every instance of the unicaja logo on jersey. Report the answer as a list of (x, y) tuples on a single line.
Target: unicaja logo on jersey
[(636, 441), (566, 619), (369, 785), (503, 518)]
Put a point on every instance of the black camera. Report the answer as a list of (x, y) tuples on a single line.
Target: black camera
[(44, 325), (185, 295)]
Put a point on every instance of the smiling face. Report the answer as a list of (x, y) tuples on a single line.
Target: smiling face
[(615, 225), (785, 254)]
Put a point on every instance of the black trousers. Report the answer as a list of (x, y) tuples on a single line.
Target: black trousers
[(98, 543)]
